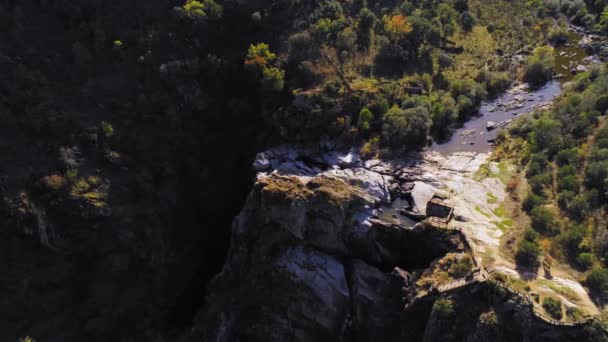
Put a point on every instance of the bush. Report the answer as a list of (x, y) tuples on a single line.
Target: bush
[(406, 127), (444, 307), (527, 254), (539, 182), (558, 36), (553, 307), (365, 118), (585, 260), (539, 67), (199, 10), (532, 201), (568, 183), (461, 268), (568, 157), (544, 220), (601, 103), (597, 280)]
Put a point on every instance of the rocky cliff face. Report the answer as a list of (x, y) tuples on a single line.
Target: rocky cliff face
[(309, 262)]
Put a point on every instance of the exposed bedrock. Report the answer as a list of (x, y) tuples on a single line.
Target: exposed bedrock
[(307, 262)]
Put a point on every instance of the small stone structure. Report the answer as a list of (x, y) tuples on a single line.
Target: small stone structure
[(438, 212)]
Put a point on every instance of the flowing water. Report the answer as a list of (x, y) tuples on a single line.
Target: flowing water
[(474, 135)]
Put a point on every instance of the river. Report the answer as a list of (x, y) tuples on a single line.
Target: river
[(474, 136)]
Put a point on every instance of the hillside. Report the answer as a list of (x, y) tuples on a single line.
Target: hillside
[(128, 131)]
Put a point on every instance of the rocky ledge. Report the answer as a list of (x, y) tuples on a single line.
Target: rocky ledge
[(308, 260), (311, 261)]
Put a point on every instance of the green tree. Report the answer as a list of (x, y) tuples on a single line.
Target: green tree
[(365, 118), (585, 260), (406, 127), (365, 24), (553, 307), (203, 9), (527, 254), (544, 220), (597, 280), (260, 60), (444, 307), (539, 66)]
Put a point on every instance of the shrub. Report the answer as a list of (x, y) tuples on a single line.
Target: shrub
[(568, 157), (532, 201), (406, 127), (444, 307), (259, 60), (544, 220), (569, 183), (107, 129), (579, 206), (585, 260), (558, 36), (553, 307), (467, 21), (597, 280), (397, 26), (202, 9), (365, 117), (461, 268), (539, 67), (273, 78), (539, 182), (527, 254)]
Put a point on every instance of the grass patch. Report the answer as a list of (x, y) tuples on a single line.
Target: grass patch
[(491, 198), (568, 293), (500, 211), (504, 225), (478, 209)]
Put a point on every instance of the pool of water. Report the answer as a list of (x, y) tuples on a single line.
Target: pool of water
[(391, 214), (568, 57)]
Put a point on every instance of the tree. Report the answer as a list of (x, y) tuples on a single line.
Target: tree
[(585, 260), (467, 21), (365, 25), (397, 26), (406, 127), (365, 117), (544, 220), (603, 22), (532, 201), (346, 40), (597, 280), (259, 56), (553, 307), (443, 111), (527, 254), (539, 66), (273, 78), (547, 135), (199, 10), (443, 307), (259, 60)]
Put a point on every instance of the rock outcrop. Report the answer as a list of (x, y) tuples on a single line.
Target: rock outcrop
[(309, 262)]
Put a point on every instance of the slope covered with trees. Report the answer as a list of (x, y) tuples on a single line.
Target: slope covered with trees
[(564, 151)]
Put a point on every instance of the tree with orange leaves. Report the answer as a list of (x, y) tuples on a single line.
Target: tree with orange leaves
[(397, 26)]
